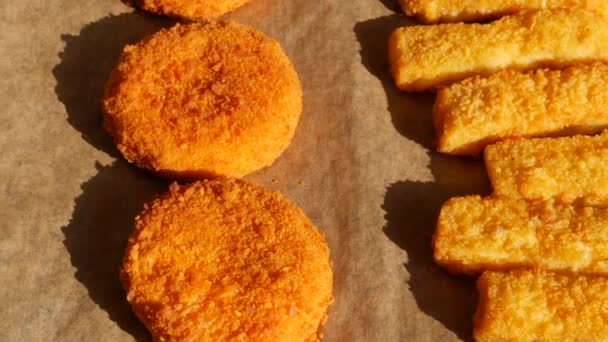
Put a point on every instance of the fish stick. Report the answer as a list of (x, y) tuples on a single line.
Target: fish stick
[(541, 306), (435, 11), (568, 168), (426, 57), (482, 110), (499, 234)]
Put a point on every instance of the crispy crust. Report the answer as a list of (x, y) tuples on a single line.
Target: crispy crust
[(188, 9), (568, 168), (227, 260), (203, 99), (482, 110), (500, 234), (435, 11), (541, 306), (426, 57)]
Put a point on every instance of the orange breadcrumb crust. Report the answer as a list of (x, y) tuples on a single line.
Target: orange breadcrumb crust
[(227, 260), (499, 234), (541, 306), (568, 168), (425, 57), (188, 9), (434, 11), (479, 111), (203, 99)]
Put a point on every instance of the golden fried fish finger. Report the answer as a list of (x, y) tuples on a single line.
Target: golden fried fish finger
[(426, 57), (434, 11), (541, 306), (226, 260), (568, 168), (481, 110), (500, 233)]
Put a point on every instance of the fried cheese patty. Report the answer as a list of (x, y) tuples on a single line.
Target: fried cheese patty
[(203, 99), (188, 9), (227, 260)]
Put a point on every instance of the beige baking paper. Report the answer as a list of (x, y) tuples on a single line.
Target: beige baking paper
[(360, 165)]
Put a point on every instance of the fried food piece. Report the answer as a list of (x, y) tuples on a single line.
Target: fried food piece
[(541, 306), (479, 111), (568, 168), (227, 260), (203, 99), (434, 11), (499, 234), (426, 57), (188, 9)]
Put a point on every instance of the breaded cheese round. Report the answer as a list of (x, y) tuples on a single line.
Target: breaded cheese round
[(202, 100), (188, 9), (227, 260)]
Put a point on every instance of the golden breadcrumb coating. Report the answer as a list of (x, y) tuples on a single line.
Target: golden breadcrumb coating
[(479, 111), (568, 168), (499, 233), (425, 57), (541, 306), (188, 9), (227, 260), (203, 99), (434, 11)]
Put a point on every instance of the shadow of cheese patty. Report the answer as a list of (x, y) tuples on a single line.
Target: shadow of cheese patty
[(203, 99), (227, 260)]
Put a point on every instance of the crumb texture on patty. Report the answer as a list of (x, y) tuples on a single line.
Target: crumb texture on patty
[(203, 99), (227, 260), (188, 9)]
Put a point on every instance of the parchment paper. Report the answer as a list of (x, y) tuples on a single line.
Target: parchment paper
[(360, 165)]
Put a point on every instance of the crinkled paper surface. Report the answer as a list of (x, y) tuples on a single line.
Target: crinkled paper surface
[(361, 165)]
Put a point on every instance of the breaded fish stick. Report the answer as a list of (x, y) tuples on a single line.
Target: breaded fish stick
[(479, 111), (425, 57), (541, 306), (499, 234), (434, 11), (567, 168)]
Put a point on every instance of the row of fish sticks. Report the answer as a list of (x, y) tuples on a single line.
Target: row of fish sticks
[(521, 90), (540, 241), (493, 81)]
